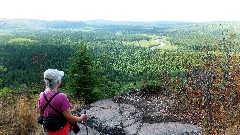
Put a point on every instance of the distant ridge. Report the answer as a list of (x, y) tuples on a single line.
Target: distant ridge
[(38, 24), (63, 24), (109, 22)]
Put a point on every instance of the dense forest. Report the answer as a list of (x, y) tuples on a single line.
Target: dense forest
[(124, 54), (173, 56)]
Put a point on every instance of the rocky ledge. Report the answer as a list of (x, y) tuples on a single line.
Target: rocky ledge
[(134, 114)]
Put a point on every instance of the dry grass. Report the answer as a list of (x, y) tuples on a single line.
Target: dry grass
[(18, 115)]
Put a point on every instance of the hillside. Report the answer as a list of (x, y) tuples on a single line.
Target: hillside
[(195, 64)]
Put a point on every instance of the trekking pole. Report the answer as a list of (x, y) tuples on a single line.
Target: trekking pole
[(86, 122)]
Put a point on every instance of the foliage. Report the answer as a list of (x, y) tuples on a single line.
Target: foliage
[(25, 64), (22, 41), (81, 74), (5, 91), (2, 70), (213, 89)]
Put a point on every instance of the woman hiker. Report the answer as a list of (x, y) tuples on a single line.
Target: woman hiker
[(55, 106)]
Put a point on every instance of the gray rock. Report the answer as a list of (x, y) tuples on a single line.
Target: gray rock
[(170, 128), (107, 117)]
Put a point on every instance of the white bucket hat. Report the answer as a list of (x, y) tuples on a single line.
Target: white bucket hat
[(51, 75)]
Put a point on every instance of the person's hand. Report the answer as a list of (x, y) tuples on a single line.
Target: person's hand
[(84, 117)]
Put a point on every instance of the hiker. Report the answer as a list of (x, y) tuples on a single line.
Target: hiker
[(55, 106)]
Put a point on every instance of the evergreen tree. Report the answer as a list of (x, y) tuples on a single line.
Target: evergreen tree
[(81, 74), (2, 69)]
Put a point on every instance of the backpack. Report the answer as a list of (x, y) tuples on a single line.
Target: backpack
[(55, 122)]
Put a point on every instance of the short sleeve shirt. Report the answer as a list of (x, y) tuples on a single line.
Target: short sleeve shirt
[(60, 102)]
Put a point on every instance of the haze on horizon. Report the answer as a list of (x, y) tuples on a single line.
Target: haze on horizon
[(122, 10)]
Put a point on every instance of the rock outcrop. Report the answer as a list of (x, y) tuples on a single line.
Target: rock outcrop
[(128, 117)]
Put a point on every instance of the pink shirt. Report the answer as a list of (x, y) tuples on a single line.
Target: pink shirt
[(60, 102)]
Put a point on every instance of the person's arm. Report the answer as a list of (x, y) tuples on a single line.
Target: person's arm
[(39, 108), (40, 112), (68, 115)]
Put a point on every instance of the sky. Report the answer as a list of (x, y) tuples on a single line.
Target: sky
[(122, 10)]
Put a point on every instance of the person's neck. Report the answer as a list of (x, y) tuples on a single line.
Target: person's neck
[(54, 89)]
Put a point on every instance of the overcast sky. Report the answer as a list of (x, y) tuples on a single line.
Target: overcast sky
[(122, 10)]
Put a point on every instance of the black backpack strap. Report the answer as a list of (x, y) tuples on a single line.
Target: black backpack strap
[(48, 103)]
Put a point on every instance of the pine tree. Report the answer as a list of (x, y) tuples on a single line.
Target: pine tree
[(81, 74)]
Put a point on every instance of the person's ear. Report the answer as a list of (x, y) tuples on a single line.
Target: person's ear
[(59, 81)]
